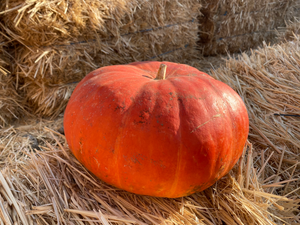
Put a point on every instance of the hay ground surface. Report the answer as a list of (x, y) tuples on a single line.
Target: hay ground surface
[(49, 186)]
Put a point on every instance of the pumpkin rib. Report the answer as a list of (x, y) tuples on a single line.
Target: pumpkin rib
[(191, 82), (76, 117), (182, 111), (127, 115), (81, 112), (179, 155), (213, 166), (229, 135), (233, 130)]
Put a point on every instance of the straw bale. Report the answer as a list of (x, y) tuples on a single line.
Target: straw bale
[(235, 26), (51, 187), (288, 33), (49, 96), (47, 22), (68, 63), (10, 101), (268, 82), (147, 30)]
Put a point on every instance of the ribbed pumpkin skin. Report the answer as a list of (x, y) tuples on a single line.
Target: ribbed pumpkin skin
[(165, 138)]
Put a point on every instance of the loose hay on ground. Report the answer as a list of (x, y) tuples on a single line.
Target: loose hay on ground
[(52, 186)]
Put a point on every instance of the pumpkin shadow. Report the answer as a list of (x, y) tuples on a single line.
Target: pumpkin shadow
[(198, 208)]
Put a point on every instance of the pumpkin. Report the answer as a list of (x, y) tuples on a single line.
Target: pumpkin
[(156, 128)]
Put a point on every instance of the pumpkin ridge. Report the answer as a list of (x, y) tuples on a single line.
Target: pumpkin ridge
[(216, 169), (73, 130), (190, 81), (174, 185), (122, 128), (232, 115), (76, 117), (214, 165)]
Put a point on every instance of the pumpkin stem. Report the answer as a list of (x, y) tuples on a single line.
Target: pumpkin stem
[(161, 74)]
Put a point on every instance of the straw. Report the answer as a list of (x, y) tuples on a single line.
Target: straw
[(235, 26), (268, 82), (10, 101), (60, 43), (51, 186)]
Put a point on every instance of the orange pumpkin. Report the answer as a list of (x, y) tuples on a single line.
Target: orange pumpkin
[(169, 136)]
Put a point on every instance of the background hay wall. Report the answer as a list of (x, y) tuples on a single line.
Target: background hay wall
[(60, 43), (10, 101), (235, 26)]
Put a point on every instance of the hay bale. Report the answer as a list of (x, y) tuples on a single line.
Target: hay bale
[(50, 186), (49, 59), (10, 101), (268, 82), (235, 26), (45, 22), (288, 33)]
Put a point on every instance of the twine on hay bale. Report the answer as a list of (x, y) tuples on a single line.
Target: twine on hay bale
[(52, 186), (10, 101), (53, 55), (235, 26)]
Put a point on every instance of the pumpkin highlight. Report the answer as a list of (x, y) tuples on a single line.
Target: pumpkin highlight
[(160, 137)]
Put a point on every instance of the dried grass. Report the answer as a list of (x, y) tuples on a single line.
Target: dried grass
[(10, 101), (52, 54), (49, 22), (235, 26), (51, 187), (61, 22), (288, 33)]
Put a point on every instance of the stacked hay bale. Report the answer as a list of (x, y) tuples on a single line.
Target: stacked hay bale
[(10, 101), (289, 32), (61, 41), (234, 26), (268, 81)]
